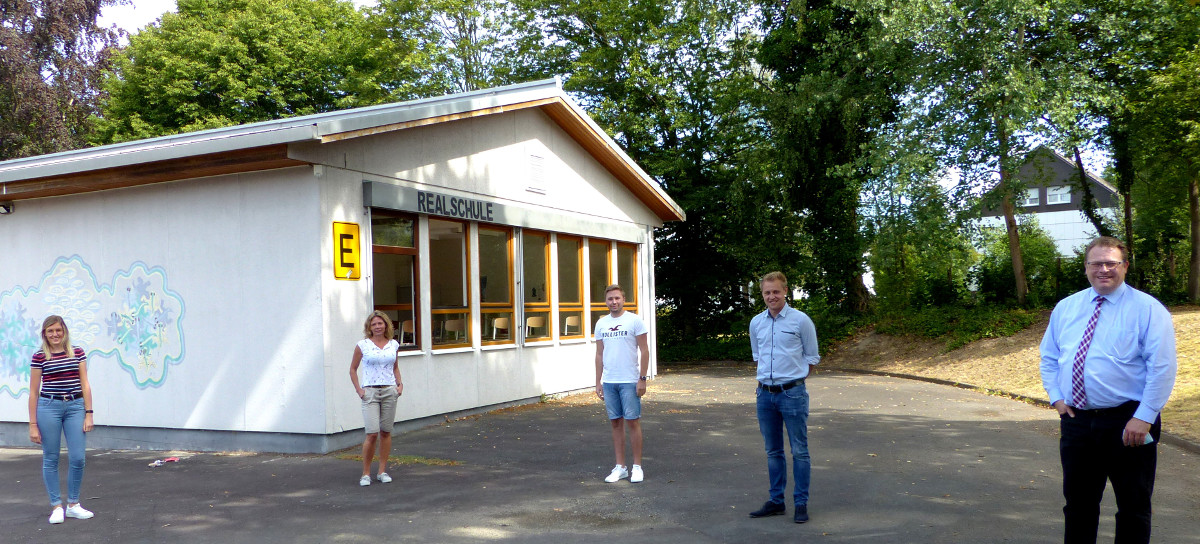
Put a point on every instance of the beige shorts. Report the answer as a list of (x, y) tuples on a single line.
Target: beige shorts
[(379, 408)]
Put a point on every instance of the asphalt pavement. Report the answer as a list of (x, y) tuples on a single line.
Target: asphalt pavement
[(894, 461)]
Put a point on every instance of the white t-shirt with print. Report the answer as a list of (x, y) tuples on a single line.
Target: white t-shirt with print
[(619, 335), (377, 362)]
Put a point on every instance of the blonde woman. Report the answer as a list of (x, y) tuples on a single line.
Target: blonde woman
[(379, 388), (60, 403)]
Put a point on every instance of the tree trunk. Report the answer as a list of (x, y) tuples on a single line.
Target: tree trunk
[(1010, 220), (1194, 216)]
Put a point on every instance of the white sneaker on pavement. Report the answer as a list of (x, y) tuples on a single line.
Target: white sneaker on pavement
[(56, 515), (384, 478), (636, 475), (79, 512), (617, 473), (365, 480)]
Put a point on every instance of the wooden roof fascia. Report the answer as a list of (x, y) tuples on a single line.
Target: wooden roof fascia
[(213, 164)]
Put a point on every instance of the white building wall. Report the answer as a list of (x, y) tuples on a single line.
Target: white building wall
[(236, 350), (1069, 229)]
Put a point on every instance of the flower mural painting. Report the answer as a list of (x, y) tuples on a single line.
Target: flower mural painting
[(136, 319)]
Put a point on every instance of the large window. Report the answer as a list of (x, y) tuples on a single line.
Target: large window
[(394, 254), (449, 290), (1058, 195), (627, 275), (599, 277), (535, 284), (495, 284), (1030, 197), (570, 287)]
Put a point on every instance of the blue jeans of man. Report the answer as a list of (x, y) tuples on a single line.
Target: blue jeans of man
[(775, 412), (57, 418)]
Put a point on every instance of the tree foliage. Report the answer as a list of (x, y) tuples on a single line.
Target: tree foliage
[(225, 62), (52, 57)]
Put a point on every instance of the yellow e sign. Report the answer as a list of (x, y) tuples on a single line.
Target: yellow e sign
[(346, 263)]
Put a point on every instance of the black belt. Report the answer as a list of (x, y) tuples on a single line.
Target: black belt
[(781, 387), (68, 396), (1121, 409), (378, 386)]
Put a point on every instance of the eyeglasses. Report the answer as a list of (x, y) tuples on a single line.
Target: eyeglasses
[(1104, 265)]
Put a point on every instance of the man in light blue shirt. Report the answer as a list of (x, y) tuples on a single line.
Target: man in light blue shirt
[(784, 343), (1108, 366)]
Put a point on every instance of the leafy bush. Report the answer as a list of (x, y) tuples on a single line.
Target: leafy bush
[(1043, 266), (958, 325)]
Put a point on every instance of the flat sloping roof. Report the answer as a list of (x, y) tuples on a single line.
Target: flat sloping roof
[(264, 145)]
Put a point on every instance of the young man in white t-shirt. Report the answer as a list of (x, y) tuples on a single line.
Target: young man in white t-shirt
[(621, 378)]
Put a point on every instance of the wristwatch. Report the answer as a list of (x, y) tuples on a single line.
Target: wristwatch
[(643, 378)]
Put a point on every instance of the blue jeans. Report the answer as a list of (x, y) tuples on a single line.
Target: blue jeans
[(56, 418), (621, 401), (776, 411)]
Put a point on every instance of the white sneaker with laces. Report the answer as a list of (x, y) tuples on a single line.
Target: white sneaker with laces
[(79, 512), (636, 475), (384, 478), (365, 480), (56, 515), (618, 472)]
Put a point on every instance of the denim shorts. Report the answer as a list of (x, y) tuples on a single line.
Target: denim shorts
[(622, 401)]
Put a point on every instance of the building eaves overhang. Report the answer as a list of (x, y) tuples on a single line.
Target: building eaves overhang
[(264, 145)]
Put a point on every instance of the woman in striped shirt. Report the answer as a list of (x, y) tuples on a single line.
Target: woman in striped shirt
[(60, 403)]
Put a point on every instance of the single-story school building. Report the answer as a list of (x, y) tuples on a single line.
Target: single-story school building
[(219, 280)]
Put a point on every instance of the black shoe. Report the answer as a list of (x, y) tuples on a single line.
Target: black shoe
[(801, 514), (768, 509)]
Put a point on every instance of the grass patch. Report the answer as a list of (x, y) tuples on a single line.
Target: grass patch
[(403, 460), (956, 325)]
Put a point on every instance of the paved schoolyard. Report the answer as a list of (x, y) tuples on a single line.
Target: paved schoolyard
[(894, 461)]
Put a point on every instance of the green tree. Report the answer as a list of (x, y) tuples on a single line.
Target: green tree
[(987, 73), (468, 44), (227, 62), (52, 57), (674, 83), (836, 84), (995, 276)]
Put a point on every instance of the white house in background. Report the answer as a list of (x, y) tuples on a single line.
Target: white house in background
[(1052, 195), (219, 280)]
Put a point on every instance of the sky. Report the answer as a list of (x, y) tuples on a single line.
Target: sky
[(139, 13)]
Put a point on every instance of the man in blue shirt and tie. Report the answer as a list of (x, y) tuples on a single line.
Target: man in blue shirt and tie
[(784, 343), (1108, 366)]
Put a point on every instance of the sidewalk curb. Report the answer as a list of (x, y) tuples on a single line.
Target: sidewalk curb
[(1170, 439)]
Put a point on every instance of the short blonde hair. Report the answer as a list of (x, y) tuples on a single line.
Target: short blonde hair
[(389, 332), (1109, 242), (774, 276), (54, 319), (613, 287)]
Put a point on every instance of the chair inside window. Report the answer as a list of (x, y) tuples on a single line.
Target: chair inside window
[(500, 324), (571, 325), (534, 322), (406, 332), (455, 327)]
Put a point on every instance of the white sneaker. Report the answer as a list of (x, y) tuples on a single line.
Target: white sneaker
[(79, 512), (617, 473), (56, 515), (364, 481), (636, 475), (384, 478)]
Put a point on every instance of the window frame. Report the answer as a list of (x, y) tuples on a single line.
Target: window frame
[(631, 291), (1059, 192), (467, 284), (593, 306), (538, 307), (1030, 198), (415, 308), (486, 308), (576, 308)]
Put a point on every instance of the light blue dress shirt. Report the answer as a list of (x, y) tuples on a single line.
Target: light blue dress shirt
[(783, 346), (1132, 356)]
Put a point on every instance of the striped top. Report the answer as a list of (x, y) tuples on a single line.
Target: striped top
[(60, 375)]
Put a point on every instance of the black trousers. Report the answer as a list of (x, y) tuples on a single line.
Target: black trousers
[(1092, 455)]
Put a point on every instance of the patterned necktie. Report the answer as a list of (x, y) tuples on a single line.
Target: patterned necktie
[(1078, 395)]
